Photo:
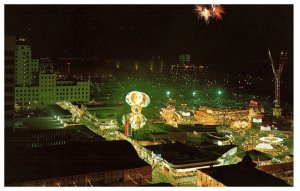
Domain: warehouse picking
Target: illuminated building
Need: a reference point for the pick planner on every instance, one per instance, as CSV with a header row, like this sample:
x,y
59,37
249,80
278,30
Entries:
x,y
184,59
284,171
10,44
182,161
36,84
26,68
170,115
213,116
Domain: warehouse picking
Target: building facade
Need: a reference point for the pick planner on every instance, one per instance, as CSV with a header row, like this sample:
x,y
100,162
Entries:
x,y
10,44
36,83
26,67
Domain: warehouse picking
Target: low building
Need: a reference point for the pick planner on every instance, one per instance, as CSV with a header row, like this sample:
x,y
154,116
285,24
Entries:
x,y
168,136
170,116
105,111
213,116
258,157
45,153
180,159
241,174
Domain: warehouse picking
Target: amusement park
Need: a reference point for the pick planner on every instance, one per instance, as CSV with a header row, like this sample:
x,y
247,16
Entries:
x,y
224,135
149,95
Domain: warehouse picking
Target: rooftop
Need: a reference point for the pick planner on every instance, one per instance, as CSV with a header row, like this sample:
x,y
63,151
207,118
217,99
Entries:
x,y
57,110
179,154
80,157
41,123
104,105
256,155
240,175
197,128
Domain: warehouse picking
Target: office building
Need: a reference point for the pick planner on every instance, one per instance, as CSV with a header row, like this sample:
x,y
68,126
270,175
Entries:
x,y
36,84
10,44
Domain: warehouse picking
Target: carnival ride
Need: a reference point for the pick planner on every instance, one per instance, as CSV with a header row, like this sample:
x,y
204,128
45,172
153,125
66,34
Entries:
x,y
137,100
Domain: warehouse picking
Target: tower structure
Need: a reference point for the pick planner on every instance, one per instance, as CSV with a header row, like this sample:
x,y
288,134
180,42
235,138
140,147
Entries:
x,y
277,75
69,68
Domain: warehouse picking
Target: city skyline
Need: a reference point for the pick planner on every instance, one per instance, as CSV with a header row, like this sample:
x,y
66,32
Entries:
x,y
149,95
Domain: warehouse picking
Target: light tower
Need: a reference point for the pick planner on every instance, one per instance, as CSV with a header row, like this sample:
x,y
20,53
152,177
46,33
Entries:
x,y
277,75
69,68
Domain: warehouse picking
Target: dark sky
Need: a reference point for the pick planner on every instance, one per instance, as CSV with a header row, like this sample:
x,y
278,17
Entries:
x,y
136,31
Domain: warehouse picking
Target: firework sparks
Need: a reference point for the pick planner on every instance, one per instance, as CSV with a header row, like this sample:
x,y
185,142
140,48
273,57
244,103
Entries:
x,y
215,11
205,14
198,9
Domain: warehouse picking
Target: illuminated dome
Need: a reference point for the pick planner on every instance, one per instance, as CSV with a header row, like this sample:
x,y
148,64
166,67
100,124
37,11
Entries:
x,y
271,139
264,146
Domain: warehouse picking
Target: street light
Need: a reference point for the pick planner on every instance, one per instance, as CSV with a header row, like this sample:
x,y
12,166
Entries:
x,y
194,93
219,92
168,93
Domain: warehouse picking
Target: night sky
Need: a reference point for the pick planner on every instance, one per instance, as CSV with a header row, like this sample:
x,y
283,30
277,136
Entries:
x,y
141,31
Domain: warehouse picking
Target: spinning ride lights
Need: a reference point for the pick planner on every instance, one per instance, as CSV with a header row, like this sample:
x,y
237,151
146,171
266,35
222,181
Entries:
x,y
137,100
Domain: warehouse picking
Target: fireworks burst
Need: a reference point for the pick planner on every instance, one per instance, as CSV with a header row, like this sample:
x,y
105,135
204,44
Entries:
x,y
215,11
205,14
198,9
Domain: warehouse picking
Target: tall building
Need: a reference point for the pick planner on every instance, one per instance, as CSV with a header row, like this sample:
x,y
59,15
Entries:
x,y
185,59
36,83
10,44
26,67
